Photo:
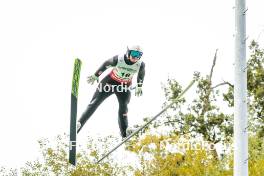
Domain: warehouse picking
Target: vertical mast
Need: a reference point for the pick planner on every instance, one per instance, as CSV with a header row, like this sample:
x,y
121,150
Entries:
x,y
240,93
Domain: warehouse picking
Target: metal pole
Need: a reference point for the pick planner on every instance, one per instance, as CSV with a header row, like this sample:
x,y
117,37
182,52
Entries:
x,y
240,92
146,124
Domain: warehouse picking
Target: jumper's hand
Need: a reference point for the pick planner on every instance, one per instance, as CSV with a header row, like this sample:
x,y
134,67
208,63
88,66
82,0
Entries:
x,y
138,91
91,79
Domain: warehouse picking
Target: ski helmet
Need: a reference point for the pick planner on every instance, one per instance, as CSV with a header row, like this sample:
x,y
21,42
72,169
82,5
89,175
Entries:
x,y
134,51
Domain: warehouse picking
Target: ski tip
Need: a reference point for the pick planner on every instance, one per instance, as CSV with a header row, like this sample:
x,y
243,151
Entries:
x,y
77,60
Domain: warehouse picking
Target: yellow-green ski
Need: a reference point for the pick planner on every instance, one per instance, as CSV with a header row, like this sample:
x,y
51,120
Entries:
x,y
74,98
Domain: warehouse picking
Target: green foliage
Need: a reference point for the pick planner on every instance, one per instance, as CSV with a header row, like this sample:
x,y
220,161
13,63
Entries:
x,y
8,172
255,86
55,160
256,153
156,159
203,116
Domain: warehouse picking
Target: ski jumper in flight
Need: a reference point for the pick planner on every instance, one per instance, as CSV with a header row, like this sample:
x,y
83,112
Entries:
x,y
117,82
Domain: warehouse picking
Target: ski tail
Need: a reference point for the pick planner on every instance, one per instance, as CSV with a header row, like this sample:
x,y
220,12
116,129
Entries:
x,y
74,98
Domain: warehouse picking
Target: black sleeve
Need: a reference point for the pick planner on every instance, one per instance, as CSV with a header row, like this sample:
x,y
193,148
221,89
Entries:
x,y
108,63
141,74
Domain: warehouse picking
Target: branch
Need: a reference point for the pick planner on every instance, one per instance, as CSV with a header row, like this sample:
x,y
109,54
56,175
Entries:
x,y
187,132
212,68
173,121
178,121
223,83
207,96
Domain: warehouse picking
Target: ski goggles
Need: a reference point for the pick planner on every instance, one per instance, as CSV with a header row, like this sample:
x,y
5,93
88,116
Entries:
x,y
136,54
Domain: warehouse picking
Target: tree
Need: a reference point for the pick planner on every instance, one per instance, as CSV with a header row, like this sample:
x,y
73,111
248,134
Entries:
x,y
8,172
55,160
203,117
255,86
161,155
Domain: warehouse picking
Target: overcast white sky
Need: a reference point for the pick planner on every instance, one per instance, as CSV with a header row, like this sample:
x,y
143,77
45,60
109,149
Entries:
x,y
40,39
